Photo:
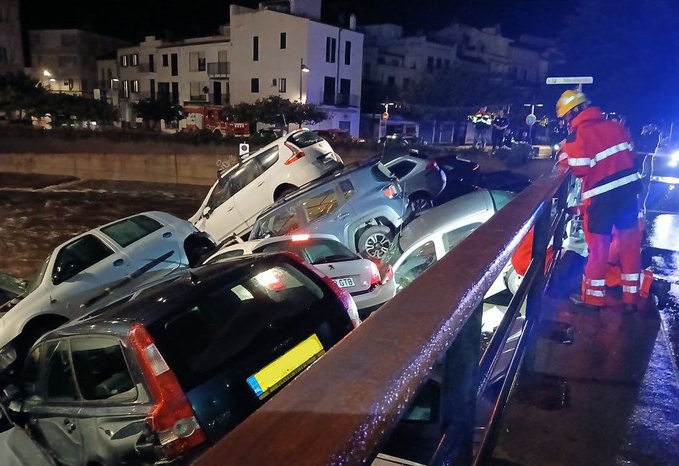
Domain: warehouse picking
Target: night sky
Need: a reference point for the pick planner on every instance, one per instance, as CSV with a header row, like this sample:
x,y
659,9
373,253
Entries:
x,y
174,19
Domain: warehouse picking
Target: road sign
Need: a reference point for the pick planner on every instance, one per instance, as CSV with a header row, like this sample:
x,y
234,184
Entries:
x,y
571,80
385,115
243,149
531,119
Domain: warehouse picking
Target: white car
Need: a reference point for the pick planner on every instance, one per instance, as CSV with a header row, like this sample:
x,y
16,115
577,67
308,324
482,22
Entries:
x,y
91,264
359,276
240,194
436,231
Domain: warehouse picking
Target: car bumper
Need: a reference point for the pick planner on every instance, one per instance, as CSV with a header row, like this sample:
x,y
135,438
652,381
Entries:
x,y
369,302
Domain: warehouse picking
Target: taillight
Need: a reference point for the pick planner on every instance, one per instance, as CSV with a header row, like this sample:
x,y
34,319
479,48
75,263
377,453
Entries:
x,y
342,294
172,419
296,154
432,165
388,274
300,237
375,278
390,191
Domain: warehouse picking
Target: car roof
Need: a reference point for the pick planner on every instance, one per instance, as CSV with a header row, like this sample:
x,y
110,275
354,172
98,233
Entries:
x,y
163,217
161,297
252,244
432,220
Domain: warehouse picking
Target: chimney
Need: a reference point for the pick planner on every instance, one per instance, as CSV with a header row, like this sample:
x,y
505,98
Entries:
x,y
352,22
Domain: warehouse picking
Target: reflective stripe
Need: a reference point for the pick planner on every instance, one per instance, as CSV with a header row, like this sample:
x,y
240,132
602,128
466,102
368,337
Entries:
x,y
604,154
630,276
563,156
630,289
597,293
604,188
579,162
595,282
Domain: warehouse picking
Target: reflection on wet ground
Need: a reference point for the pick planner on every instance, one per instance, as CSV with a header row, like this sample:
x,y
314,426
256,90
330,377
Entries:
x,y
40,212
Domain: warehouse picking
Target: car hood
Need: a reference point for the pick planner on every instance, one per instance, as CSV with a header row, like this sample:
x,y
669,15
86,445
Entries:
x,y
19,450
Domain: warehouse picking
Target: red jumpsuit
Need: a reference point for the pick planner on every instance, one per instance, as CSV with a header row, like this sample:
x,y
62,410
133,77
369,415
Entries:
x,y
600,152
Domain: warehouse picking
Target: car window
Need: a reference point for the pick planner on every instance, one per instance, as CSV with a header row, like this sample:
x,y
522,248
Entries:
x,y
101,370
255,309
380,172
280,222
77,256
222,191
268,158
303,139
313,250
33,284
31,372
452,238
415,264
320,204
347,188
226,255
126,232
501,198
58,383
401,169
245,174
5,423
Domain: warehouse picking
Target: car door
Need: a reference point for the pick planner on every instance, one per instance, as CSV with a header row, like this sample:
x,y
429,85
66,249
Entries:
x,y
82,269
148,243
327,210
220,217
252,190
51,401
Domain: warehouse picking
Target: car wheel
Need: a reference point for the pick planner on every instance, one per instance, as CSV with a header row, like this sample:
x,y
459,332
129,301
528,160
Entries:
x,y
284,192
420,203
375,241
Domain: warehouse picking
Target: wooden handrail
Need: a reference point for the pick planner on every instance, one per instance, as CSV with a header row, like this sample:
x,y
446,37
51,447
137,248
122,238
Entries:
x,y
343,408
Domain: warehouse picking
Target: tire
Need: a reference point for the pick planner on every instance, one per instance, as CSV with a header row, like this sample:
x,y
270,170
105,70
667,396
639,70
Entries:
x,y
284,192
420,203
375,241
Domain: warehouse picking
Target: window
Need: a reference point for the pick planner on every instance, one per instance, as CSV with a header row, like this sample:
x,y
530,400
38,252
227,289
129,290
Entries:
x,y
401,169
152,63
330,46
347,188
430,64
254,85
235,180
164,91
134,59
255,48
135,86
313,250
268,158
415,264
446,63
196,90
174,66
320,204
58,383
124,61
3,55
347,53
454,237
284,40
282,85
274,82
501,198
282,221
391,81
438,63
152,88
329,90
304,139
165,62
126,232
197,61
78,256
126,89
101,370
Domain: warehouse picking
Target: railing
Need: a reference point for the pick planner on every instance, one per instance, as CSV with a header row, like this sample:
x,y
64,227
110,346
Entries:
x,y
342,410
146,68
339,99
198,98
220,68
224,99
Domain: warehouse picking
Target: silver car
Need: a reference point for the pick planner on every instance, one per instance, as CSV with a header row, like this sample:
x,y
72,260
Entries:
x,y
360,205
79,270
360,277
17,448
420,177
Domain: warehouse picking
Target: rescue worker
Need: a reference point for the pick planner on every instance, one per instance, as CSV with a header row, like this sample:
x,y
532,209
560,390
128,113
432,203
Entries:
x,y
482,122
600,152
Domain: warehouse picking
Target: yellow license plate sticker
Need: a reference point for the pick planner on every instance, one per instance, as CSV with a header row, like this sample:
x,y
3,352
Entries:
x,y
285,367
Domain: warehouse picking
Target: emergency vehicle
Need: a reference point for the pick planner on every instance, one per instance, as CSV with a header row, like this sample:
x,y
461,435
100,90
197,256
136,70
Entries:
x,y
206,117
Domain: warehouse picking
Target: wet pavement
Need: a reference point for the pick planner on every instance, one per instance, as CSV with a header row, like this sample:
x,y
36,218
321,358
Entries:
x,y
39,212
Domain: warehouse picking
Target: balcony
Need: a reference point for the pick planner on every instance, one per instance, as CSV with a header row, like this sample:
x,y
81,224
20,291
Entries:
x,y
224,99
220,68
146,68
199,98
340,99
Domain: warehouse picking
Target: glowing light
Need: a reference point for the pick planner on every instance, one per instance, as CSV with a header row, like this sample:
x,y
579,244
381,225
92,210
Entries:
x,y
302,237
46,73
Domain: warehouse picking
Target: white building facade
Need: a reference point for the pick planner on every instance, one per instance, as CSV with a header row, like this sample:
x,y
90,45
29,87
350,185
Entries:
x,y
11,50
280,49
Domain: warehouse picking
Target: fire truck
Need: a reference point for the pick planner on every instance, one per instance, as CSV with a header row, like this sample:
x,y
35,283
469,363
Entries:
x,y
206,117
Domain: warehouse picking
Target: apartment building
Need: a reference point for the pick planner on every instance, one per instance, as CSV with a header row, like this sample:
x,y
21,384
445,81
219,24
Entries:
x,y
65,60
281,48
11,50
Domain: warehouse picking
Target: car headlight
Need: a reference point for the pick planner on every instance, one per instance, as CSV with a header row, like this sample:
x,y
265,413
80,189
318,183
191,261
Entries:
x,y
8,355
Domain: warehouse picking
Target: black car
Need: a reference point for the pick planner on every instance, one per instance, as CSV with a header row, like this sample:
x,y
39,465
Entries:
x,y
170,369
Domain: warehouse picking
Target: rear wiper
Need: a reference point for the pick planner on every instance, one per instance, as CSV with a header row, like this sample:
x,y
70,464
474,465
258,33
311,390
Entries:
x,y
336,258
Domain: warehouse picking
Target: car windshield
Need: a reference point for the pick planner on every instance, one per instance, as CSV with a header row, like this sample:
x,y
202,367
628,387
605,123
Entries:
x,y
37,280
313,250
304,139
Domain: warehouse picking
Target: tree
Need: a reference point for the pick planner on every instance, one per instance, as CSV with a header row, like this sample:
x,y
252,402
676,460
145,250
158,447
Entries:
x,y
273,110
65,108
628,47
20,93
152,111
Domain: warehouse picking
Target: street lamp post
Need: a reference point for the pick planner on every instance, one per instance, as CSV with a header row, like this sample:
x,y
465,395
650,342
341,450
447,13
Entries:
x,y
532,112
302,69
386,112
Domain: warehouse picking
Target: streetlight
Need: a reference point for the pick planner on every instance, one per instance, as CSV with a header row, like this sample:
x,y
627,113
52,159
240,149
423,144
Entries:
x,y
385,117
302,69
532,118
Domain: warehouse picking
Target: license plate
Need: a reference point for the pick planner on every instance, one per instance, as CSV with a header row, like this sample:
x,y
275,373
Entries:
x,y
344,282
285,367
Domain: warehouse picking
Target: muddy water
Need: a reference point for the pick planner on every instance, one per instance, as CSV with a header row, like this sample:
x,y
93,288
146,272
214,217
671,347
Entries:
x,y
40,212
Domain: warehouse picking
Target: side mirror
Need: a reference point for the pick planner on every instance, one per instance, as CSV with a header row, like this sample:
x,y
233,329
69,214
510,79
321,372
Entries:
x,y
206,212
63,272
